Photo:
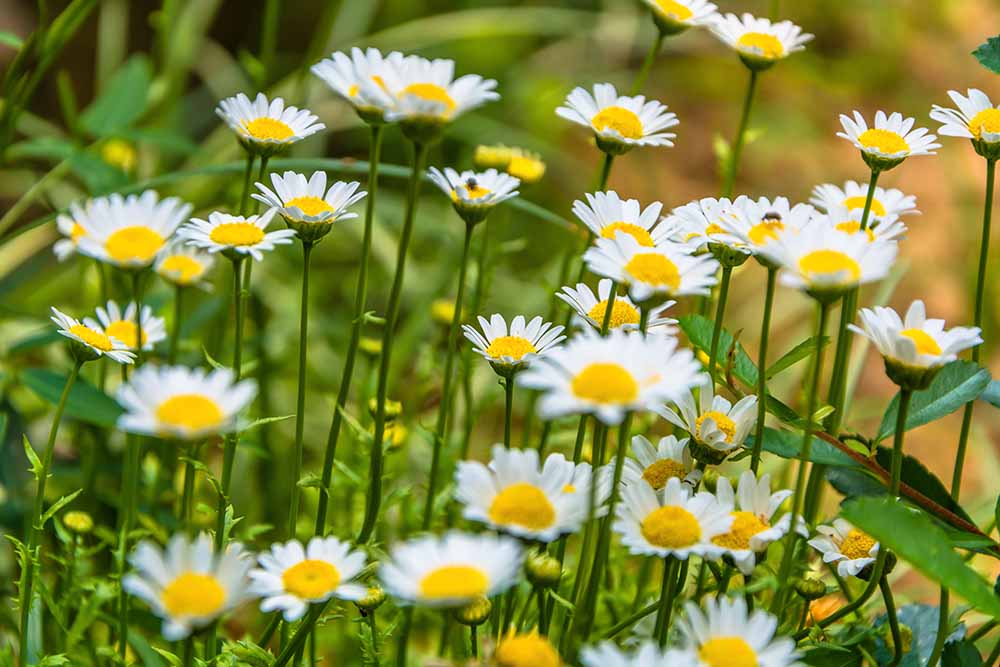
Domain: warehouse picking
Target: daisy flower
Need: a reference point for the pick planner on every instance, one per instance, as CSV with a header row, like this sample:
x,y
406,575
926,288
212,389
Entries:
x,y
475,194
759,42
511,349
606,214
607,654
886,203
703,223
670,522
526,650
359,79
129,232
712,421
235,236
90,342
291,577
675,16
180,402
583,475
657,464
889,228
187,584
624,313
306,205
889,141
71,230
427,95
845,545
121,325
976,118
522,164
726,634
609,376
183,265
266,127
619,122
758,222
451,570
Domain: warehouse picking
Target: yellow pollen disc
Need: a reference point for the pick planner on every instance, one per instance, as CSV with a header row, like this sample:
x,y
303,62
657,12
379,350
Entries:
x,y
621,313
659,472
523,505
675,10
432,93
924,341
268,129
727,652
193,594
765,230
714,229
635,231
309,205
133,244
761,44
858,204
654,269
311,579
191,411
526,651
853,227
124,330
92,338
619,119
671,527
884,141
856,545
569,488
237,234
77,232
722,422
987,120
605,383
826,263
454,581
745,526
474,192
514,347
183,268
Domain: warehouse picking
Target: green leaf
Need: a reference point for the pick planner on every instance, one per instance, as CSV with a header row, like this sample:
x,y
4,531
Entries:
x,y
924,545
8,38
85,403
832,657
801,351
264,420
788,445
123,101
36,463
955,385
961,654
989,54
992,394
58,505
699,331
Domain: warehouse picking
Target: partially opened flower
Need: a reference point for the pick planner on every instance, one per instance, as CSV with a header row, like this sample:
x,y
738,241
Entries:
x,y
236,236
976,118
889,228
851,549
306,205
129,232
619,122
90,342
886,203
71,230
656,465
510,349
674,16
726,634
705,224
606,214
759,42
758,222
266,127
359,79
624,313
717,426
474,194
889,141
184,265
522,164
188,585
120,324
526,650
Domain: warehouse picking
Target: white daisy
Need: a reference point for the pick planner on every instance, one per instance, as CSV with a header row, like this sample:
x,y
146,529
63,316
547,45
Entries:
x,y
426,91
121,325
885,202
129,232
474,194
181,402
267,127
235,236
359,79
91,342
725,634
583,475
619,122
71,230
759,42
609,376
188,585
607,654
451,570
655,465
184,265
845,545
624,313
889,228
705,222
306,205
291,577
606,214
758,222
515,347
976,117
674,16
712,420
889,141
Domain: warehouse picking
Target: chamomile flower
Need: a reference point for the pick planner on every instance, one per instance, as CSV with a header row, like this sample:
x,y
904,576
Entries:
x,y
359,79
184,265
655,465
522,164
759,42
717,426
886,202
889,228
526,650
188,585
583,475
306,205
726,634
291,577
129,232
451,570
71,230
475,194
90,342
758,222
121,325
675,16
889,141
266,127
624,313
670,522
841,543
704,224
236,236
609,376
619,122
511,349
181,402
606,214
976,118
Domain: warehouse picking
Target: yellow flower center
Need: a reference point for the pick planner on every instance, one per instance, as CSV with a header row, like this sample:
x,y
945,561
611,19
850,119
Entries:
x,y
309,205
472,191
124,330
528,169
856,545
311,579
826,263
714,229
924,341
671,527
987,120
761,44
77,232
727,652
526,651
237,234
659,472
621,313
133,244
454,581
514,347
674,10
193,594
765,230
268,129
858,204
191,411
745,526
853,227
182,269
619,119
722,423
884,141
432,93
635,231
524,505
605,383
654,269
92,338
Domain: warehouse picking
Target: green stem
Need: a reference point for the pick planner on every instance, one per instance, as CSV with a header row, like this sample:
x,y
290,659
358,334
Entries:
x,y
129,484
994,654
473,642
298,640
261,174
543,618
187,497
869,198
508,390
404,636
247,175
300,409
647,65
667,593
631,620
765,331
175,339
189,651
734,158
609,309
229,451
897,442
720,314
374,630
890,613
609,160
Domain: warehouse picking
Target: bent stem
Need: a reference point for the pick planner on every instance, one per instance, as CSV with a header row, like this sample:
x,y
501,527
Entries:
x,y
890,614
765,330
734,157
720,313
647,65
300,409
229,451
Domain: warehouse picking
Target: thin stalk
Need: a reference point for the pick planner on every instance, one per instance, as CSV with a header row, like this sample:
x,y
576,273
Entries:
x,y
765,331
187,497
734,158
229,451
508,390
869,198
189,651
890,614
897,442
370,617
129,484
631,620
720,313
667,593
269,631
473,642
247,174
175,339
298,640
261,174
994,654
543,619
300,409
647,65
404,637
609,160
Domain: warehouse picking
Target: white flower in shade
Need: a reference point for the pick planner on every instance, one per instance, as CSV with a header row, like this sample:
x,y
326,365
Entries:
x,y
235,236
674,16
129,232
752,507
514,347
758,222
609,376
90,342
606,214
474,194
619,122
181,402
976,117
607,654
266,126
889,141
886,203
359,79
517,495
845,545
451,570
656,465
184,265
121,325
188,585
291,577
661,272
427,90
759,42
71,230
703,223
726,634
583,475
308,200
889,228
671,522
712,420
624,313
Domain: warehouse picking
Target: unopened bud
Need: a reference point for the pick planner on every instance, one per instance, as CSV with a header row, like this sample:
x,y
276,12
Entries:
x,y
392,408
809,589
543,570
474,613
372,600
78,522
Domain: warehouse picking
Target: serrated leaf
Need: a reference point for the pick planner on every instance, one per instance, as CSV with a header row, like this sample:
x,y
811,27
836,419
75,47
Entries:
x,y
955,385
123,101
36,463
788,445
801,351
264,420
988,54
86,402
58,505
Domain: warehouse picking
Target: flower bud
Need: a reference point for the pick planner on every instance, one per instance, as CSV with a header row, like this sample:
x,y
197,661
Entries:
x,y
372,600
543,570
392,408
809,589
475,613
371,347
80,523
